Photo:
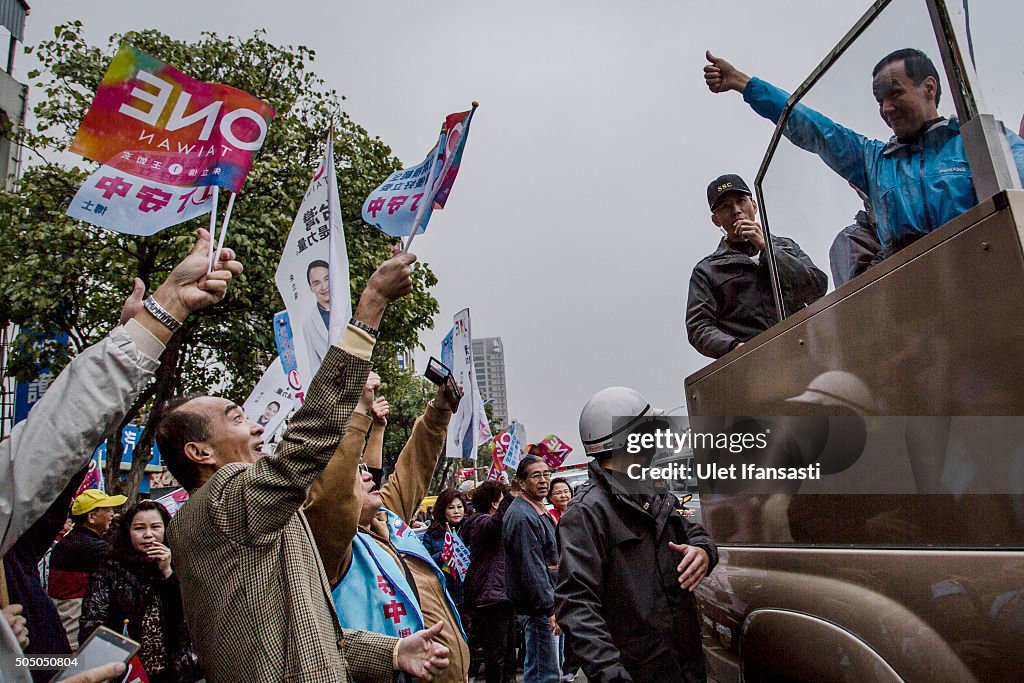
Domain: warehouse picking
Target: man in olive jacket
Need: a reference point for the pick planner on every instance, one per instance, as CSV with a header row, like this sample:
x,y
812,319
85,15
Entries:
x,y
255,595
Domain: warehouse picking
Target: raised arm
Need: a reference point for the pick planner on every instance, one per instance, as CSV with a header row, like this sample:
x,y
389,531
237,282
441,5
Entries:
x,y
403,491
92,394
256,502
334,501
842,149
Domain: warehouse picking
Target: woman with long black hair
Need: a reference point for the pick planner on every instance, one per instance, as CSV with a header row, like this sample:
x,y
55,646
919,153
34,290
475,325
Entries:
x,y
136,584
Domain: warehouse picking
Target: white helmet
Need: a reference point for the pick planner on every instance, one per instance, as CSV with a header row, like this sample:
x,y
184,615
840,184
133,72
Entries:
x,y
597,421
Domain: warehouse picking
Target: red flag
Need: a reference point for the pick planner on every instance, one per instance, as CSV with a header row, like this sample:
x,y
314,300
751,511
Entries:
x,y
135,673
552,449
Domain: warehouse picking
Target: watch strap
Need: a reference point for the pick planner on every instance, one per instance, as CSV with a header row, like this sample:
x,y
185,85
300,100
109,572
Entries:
x,y
161,314
372,331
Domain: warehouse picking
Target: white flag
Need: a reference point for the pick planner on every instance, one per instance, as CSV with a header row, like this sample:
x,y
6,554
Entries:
x,y
271,400
312,275
468,429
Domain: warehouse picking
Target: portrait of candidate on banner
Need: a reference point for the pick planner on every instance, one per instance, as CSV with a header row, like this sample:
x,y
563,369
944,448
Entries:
x,y
271,400
312,275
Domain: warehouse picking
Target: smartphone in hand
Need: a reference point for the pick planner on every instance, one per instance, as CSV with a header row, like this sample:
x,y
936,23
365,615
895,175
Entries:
x,y
102,647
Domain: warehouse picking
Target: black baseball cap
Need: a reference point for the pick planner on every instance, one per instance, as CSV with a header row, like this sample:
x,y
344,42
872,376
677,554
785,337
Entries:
x,y
730,182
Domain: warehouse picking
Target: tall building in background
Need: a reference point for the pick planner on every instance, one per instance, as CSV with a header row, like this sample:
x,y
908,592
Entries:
x,y
489,359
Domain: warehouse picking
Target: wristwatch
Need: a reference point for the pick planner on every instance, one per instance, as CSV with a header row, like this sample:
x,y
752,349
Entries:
x,y
161,314
373,332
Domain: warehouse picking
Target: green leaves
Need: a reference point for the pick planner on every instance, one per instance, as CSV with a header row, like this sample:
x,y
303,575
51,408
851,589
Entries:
x,y
60,274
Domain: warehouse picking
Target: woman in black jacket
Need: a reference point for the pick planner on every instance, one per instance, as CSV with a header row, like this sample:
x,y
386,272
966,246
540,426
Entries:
x,y
493,619
136,583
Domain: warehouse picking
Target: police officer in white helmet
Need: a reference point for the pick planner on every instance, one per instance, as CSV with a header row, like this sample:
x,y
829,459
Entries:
x,y
629,562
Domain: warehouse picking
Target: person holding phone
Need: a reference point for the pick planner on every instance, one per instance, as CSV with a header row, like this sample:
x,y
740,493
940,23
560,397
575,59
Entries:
x,y
135,583
383,578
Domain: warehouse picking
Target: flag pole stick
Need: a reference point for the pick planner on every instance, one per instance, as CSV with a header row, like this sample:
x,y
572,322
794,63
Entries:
x,y
428,197
224,228
213,225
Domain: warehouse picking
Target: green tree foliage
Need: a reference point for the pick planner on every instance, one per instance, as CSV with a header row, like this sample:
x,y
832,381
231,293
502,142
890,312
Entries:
x,y
58,274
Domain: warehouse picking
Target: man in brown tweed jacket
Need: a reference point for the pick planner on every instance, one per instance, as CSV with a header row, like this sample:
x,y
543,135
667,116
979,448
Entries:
x,y
256,597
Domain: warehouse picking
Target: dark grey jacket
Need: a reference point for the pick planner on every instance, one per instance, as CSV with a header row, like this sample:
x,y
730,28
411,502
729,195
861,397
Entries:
x,y
531,559
618,599
485,580
730,298
855,249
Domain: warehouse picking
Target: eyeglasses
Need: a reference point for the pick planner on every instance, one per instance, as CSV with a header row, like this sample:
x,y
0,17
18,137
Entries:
x,y
537,476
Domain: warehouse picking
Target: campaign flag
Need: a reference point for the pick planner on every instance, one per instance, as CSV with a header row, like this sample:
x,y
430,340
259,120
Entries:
x,y
514,453
135,673
114,199
465,432
163,139
93,477
173,500
448,349
312,275
271,399
495,474
409,196
455,554
286,353
552,449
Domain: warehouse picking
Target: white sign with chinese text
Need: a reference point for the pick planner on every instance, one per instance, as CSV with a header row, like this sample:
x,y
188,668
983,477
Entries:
x,y
312,275
120,201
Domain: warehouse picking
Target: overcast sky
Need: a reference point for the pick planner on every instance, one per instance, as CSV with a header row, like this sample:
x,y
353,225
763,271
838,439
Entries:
x,y
580,208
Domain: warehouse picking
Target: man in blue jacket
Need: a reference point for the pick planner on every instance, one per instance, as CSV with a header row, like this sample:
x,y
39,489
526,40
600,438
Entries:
x,y
918,180
531,565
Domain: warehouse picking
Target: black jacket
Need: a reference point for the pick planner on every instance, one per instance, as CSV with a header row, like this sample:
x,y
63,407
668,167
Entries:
x,y
123,589
618,598
531,553
21,567
485,580
731,300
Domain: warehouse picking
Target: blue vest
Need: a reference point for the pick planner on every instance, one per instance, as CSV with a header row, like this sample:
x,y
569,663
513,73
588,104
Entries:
x,y
374,594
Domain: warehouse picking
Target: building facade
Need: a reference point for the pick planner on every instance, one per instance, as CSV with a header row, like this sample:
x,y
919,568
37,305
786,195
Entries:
x,y
489,364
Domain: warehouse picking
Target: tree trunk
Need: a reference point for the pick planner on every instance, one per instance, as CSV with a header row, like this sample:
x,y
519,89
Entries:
x,y
164,387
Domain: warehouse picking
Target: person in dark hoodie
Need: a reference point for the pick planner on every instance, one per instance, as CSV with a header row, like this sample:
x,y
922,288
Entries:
x,y
629,563
21,568
493,619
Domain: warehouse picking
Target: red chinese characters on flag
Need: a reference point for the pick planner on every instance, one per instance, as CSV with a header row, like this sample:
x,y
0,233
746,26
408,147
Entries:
x,y
124,203
159,135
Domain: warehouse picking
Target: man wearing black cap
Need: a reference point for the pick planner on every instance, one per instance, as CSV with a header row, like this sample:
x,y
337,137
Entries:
x,y
730,298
